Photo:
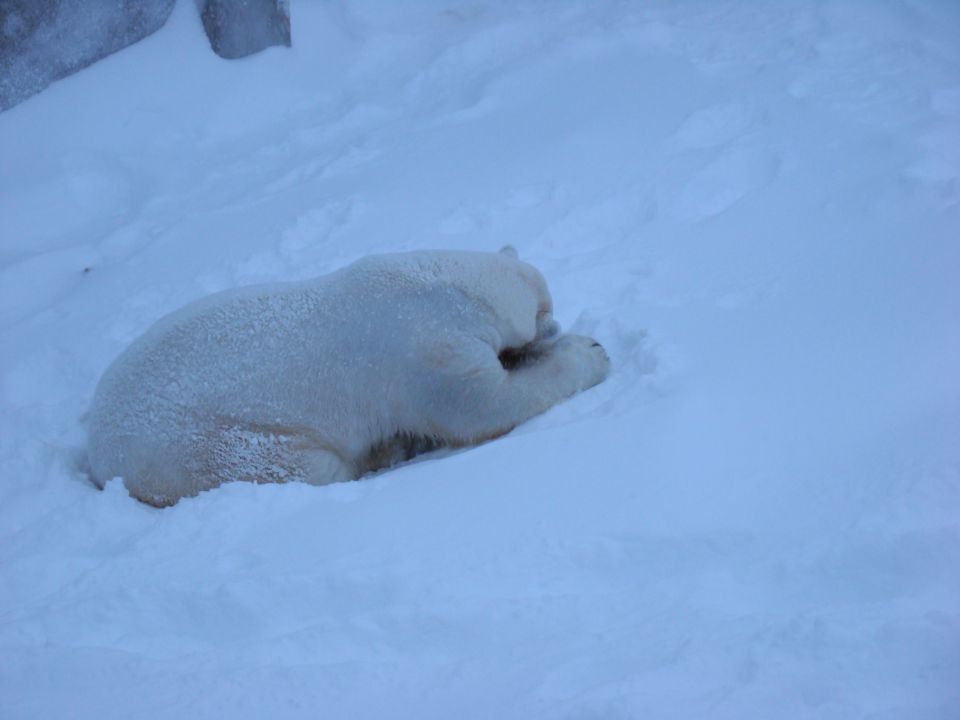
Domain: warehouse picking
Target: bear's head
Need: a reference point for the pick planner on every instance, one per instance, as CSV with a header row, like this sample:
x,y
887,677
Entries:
x,y
515,293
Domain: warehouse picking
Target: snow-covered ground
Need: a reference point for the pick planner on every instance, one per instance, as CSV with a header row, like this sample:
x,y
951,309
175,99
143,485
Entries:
x,y
754,206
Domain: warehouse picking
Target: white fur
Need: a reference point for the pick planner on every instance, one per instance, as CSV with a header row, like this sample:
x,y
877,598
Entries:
x,y
324,380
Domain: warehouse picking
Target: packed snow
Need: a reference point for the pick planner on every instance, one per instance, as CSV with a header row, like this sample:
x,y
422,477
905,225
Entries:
x,y
754,206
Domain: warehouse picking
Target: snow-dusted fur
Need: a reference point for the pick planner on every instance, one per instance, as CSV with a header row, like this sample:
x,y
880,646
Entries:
x,y
325,380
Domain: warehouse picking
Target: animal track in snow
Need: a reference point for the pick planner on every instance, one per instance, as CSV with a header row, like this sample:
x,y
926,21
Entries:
x,y
714,126
724,182
313,227
462,221
938,164
946,101
530,196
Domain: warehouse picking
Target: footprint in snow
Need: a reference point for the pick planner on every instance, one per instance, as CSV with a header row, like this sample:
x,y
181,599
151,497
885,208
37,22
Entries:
x,y
724,182
461,222
529,196
937,165
714,126
312,228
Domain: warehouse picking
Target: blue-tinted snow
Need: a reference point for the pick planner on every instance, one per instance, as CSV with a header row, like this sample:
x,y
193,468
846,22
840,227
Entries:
x,y
754,206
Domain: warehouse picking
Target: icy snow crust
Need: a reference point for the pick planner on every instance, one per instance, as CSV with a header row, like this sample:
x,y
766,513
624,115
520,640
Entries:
x,y
754,206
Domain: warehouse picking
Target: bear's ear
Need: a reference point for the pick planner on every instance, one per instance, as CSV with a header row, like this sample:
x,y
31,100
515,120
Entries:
x,y
510,251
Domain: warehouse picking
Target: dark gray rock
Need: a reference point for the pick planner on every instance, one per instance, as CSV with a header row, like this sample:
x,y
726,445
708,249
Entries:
x,y
237,28
44,40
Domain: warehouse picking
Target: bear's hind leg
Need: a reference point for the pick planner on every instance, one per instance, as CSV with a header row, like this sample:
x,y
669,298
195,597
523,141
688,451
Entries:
x,y
232,451
267,453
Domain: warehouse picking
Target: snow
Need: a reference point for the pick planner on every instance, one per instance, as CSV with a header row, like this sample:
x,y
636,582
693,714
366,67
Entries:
x,y
754,206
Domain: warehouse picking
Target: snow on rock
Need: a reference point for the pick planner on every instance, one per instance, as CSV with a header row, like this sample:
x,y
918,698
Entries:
x,y
754,206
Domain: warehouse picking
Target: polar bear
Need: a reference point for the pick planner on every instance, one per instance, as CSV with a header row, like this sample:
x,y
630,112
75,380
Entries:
x,y
328,379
